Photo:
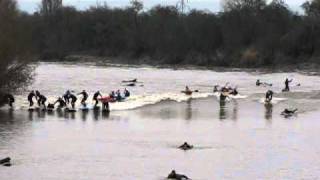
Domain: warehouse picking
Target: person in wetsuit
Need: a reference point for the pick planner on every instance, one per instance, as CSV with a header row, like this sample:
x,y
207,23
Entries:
x,y
118,95
66,97
174,175
234,91
30,98
9,99
61,102
95,98
84,97
112,95
286,83
126,93
73,100
269,96
215,88
185,146
41,99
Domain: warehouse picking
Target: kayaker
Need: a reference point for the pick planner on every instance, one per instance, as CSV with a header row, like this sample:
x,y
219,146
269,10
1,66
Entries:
x,y
174,175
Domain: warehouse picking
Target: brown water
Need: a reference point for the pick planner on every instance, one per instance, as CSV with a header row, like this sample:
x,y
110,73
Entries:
x,y
241,139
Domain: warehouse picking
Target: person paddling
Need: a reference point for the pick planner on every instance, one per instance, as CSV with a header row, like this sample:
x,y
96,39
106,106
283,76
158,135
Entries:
x,y
174,175
286,83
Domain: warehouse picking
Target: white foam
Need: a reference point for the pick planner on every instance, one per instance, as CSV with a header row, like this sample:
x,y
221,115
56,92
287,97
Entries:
x,y
273,101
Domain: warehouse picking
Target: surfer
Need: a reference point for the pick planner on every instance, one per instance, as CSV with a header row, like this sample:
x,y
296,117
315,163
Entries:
x,y
84,97
215,88
73,99
174,175
61,102
126,93
41,99
185,146
30,97
9,99
118,95
66,96
234,91
286,83
95,98
269,96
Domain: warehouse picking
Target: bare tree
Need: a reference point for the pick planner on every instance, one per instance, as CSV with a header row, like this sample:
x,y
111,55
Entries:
x,y
50,6
14,39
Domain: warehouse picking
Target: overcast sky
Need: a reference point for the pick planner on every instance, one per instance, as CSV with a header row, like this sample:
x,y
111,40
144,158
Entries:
x,y
212,5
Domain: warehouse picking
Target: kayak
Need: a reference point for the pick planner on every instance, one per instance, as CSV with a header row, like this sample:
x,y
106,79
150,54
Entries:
x,y
187,92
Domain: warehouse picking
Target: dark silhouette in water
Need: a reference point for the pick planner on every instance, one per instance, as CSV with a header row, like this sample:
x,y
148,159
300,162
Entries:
x,y
95,98
269,96
61,103
185,146
288,113
174,175
84,98
6,161
286,83
30,98
9,99
73,100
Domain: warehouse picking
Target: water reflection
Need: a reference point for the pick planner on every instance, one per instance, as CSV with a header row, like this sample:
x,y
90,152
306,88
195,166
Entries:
x,y
188,110
235,111
268,111
222,110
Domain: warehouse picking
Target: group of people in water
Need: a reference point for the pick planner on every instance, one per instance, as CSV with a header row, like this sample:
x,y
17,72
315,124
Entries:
x,y
70,98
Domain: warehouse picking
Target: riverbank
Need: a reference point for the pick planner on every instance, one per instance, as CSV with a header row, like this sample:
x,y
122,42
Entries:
x,y
306,68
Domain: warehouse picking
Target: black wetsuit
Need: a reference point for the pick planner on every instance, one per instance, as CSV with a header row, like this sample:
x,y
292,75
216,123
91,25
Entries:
x,y
105,106
84,98
10,99
41,100
61,102
66,97
95,98
73,100
126,93
30,96
269,95
174,175
287,88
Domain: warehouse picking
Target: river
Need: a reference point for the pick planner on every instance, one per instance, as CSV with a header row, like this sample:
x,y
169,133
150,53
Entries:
x,y
240,139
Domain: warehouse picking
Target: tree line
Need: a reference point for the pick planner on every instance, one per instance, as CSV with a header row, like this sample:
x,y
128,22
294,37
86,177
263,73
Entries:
x,y
246,33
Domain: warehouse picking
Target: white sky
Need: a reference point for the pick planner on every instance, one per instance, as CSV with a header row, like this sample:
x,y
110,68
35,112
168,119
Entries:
x,y
212,5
